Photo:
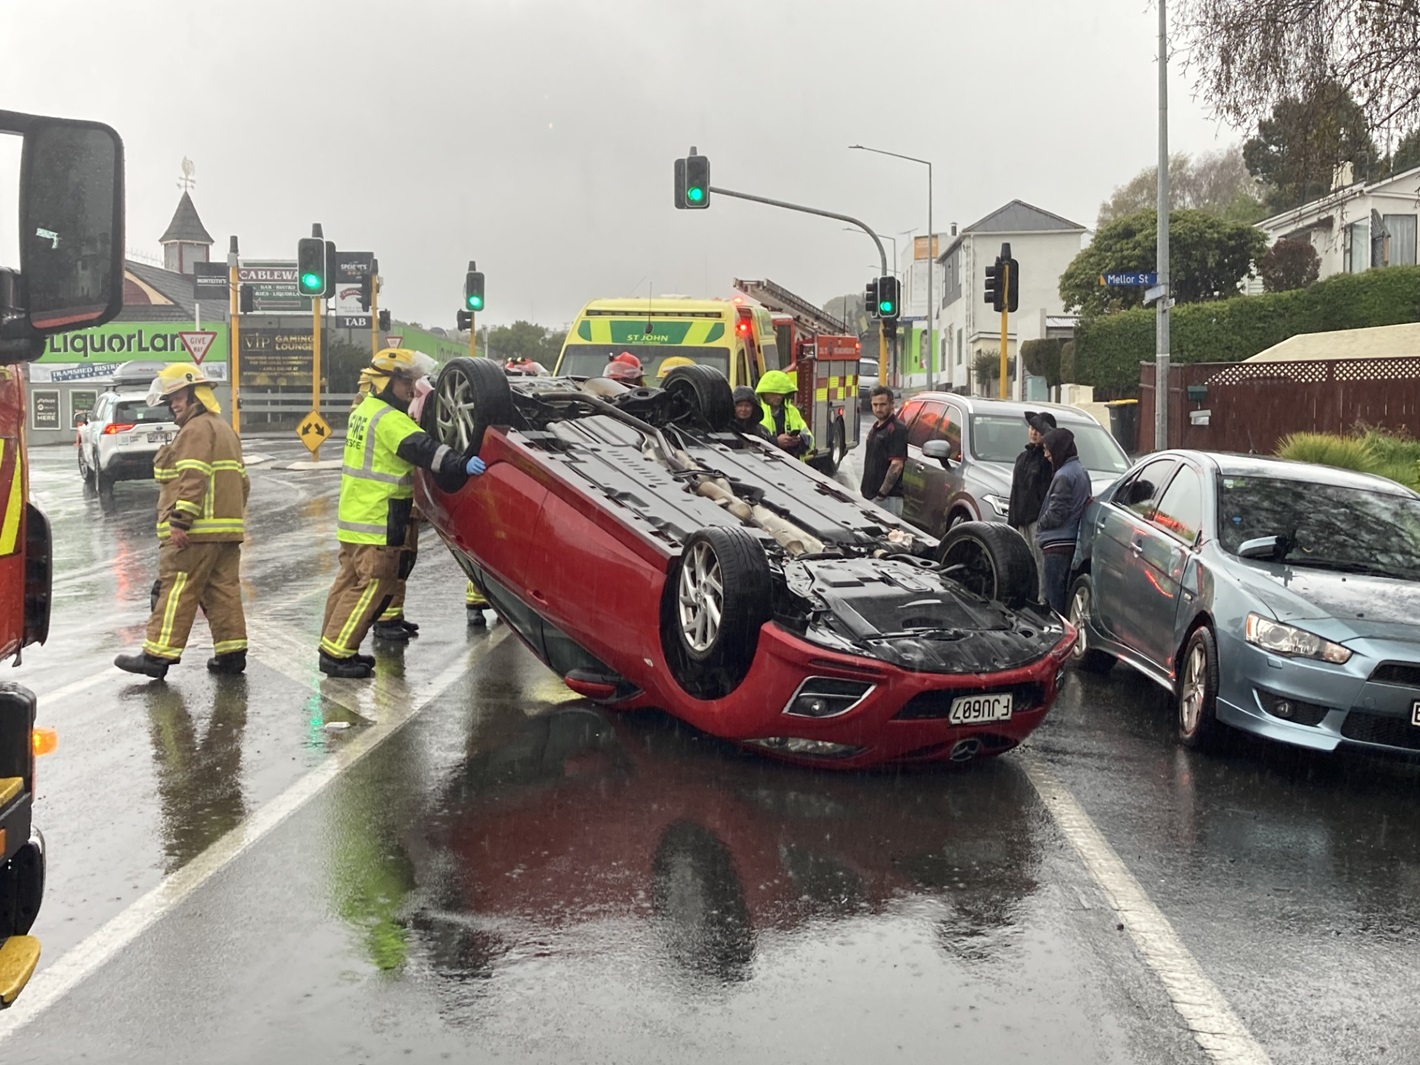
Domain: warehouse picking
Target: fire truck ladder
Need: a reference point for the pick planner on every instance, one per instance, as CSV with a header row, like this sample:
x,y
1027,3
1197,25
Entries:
x,y
807,318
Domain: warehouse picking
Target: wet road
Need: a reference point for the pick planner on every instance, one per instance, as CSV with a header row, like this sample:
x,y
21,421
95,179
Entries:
x,y
463,861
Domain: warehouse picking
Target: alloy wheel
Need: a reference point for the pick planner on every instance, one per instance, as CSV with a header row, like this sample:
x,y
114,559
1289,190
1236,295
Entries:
x,y
1191,694
701,595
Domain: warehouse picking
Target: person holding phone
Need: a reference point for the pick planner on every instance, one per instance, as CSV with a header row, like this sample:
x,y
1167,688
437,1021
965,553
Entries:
x,y
782,419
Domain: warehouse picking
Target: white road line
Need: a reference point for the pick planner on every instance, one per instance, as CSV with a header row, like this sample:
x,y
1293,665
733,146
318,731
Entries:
x,y
1217,1029
398,704
105,673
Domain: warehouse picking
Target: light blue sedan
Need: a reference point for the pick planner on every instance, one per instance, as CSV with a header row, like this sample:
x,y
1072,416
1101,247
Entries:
x,y
1277,597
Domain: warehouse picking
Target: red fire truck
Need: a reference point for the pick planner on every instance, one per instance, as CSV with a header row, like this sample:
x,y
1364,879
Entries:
x,y
70,276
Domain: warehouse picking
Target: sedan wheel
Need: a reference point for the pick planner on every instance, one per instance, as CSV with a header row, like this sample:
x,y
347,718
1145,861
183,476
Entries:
x,y
1198,691
1083,657
702,598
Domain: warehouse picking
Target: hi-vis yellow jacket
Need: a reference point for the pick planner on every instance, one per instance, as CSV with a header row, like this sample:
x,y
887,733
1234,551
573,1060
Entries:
x,y
202,482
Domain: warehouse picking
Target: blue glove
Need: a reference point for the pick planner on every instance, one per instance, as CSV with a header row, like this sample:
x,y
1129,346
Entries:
x,y
475,466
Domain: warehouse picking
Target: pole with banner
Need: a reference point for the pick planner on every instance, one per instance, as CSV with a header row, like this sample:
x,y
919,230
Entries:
x,y
234,335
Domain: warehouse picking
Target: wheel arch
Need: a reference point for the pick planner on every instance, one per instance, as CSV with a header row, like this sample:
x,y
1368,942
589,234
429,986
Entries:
x,y
1200,619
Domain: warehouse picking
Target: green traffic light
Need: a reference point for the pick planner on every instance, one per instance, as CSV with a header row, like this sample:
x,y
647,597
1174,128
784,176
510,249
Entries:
x,y
694,194
475,303
312,282
885,306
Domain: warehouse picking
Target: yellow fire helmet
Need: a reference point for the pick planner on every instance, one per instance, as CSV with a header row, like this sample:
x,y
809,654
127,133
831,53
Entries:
x,y
671,363
402,362
176,376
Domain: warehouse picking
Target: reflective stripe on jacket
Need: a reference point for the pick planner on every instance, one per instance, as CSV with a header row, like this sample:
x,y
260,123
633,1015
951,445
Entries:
x,y
202,482
376,484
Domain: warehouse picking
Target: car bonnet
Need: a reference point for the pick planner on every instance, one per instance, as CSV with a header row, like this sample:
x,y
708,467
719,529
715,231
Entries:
x,y
1336,605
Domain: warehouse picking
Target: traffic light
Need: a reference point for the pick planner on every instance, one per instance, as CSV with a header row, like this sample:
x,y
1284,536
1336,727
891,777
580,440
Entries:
x,y
473,290
994,294
889,328
465,320
384,321
311,267
367,291
1013,284
889,299
692,182
870,297
246,299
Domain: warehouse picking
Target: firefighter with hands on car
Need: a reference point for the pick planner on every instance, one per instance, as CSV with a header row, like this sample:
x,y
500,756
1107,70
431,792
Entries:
x,y
383,444
782,420
202,497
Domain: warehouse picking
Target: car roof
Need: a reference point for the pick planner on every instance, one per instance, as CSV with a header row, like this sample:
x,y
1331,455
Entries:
x,y
1234,464
1009,407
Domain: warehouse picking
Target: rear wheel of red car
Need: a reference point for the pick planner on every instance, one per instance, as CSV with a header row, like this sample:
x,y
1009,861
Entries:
x,y
718,599
992,560
469,396
706,392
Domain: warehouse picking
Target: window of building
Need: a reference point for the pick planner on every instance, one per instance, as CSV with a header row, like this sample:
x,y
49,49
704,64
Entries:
x,y
1358,247
952,278
1401,231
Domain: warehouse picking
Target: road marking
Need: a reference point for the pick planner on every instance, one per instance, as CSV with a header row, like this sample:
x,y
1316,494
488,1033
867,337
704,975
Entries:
x,y
398,705
1216,1028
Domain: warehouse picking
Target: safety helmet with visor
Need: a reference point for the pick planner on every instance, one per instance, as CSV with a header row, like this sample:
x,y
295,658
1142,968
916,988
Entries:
x,y
174,378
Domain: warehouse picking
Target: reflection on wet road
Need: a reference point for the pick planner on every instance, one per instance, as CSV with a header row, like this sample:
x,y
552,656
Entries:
x,y
463,861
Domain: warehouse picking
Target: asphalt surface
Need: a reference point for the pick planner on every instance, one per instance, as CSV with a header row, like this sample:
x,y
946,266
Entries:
x,y
460,860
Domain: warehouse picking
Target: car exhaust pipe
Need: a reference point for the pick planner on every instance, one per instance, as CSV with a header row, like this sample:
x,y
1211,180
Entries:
x,y
790,536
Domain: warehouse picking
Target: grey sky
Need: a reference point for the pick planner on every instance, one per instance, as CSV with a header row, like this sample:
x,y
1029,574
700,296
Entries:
x,y
537,136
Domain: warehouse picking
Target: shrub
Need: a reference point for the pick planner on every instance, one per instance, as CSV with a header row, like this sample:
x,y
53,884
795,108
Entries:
x,y
1395,456
1288,265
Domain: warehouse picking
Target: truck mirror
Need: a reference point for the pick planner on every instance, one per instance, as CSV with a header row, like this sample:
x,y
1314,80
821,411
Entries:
x,y
71,225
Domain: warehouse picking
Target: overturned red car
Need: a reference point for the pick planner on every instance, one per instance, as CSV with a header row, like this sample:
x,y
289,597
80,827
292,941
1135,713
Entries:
x,y
652,557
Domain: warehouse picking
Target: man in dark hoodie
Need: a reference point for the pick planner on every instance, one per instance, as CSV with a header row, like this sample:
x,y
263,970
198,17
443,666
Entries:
x,y
749,414
1058,526
1029,481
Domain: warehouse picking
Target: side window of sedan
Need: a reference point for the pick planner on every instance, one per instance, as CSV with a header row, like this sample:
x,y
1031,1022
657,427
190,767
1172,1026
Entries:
x,y
926,426
950,430
1140,492
1180,509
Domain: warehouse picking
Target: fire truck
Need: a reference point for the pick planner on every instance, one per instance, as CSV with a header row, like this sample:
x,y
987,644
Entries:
x,y
70,276
818,349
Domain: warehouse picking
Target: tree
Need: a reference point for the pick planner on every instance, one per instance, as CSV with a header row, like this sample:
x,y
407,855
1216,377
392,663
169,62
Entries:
x,y
1208,256
1289,264
1406,155
1298,148
521,340
986,368
1216,182
1247,56
1042,359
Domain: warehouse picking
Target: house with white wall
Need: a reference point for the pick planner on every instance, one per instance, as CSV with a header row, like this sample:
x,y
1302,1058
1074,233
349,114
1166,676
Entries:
x,y
1356,226
1043,244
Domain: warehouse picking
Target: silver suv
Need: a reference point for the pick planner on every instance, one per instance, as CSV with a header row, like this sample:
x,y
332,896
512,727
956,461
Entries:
x,y
971,480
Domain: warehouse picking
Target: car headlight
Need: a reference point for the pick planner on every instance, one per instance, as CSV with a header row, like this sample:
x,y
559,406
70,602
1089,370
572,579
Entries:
x,y
1000,504
1293,642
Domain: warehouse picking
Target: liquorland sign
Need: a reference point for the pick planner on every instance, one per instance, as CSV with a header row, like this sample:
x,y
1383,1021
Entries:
x,y
92,352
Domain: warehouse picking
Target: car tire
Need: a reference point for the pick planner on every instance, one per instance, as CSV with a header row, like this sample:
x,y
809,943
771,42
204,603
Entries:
x,y
470,395
837,448
994,562
103,482
1196,693
717,599
1083,657
705,391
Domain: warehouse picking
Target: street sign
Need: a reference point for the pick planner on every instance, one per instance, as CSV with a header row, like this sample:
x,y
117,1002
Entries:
x,y
394,342
273,284
197,342
352,321
1135,278
1154,293
313,430
211,281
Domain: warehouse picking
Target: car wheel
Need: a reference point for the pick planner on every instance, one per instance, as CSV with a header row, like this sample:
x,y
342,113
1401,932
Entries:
x,y
718,597
991,560
1197,692
706,392
1084,657
103,482
469,396
838,449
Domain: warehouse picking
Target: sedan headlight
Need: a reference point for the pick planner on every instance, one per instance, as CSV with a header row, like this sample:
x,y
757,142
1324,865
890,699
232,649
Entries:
x,y
1293,642
1000,504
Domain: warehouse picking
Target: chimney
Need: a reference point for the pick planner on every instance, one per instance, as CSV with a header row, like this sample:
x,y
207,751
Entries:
x,y
954,229
1343,175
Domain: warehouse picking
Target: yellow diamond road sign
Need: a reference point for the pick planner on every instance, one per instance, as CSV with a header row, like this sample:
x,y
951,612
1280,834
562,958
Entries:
x,y
313,431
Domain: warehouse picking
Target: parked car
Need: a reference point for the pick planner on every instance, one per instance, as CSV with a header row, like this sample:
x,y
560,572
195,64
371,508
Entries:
x,y
867,381
118,439
652,557
1279,598
961,450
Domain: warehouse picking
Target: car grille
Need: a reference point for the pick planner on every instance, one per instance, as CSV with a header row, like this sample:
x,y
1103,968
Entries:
x,y
1375,728
1398,673
927,706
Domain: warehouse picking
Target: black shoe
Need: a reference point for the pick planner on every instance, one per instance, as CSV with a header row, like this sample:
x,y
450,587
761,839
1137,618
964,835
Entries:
x,y
232,662
346,668
409,626
392,631
369,660
146,664
476,620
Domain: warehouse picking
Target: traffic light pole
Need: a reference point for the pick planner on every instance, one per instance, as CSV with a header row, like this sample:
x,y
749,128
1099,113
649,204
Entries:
x,y
374,316
472,335
234,335
318,304
1005,282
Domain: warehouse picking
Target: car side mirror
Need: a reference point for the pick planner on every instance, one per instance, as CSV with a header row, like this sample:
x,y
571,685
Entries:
x,y
940,450
1266,547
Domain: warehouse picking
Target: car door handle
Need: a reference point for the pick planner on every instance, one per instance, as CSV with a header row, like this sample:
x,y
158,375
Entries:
x,y
1137,546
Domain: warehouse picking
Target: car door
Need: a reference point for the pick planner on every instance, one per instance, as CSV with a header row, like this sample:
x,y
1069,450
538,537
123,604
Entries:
x,y
923,479
1159,556
1117,524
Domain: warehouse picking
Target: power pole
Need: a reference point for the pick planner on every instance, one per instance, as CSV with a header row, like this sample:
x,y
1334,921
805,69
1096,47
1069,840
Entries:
x,y
1161,315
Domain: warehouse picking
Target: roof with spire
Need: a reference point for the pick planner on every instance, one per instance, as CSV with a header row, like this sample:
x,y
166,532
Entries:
x,y
186,226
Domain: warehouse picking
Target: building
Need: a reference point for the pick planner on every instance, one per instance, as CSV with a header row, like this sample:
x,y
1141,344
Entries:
x,y
1044,245
186,240
1356,226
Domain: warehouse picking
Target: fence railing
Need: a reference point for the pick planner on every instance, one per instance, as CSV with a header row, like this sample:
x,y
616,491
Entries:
x,y
251,401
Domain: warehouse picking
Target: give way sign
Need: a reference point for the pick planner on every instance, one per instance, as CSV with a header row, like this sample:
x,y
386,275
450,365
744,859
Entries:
x,y
197,343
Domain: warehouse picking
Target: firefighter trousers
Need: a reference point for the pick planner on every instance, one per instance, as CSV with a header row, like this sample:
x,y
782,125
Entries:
x,y
395,610
474,598
201,574
369,574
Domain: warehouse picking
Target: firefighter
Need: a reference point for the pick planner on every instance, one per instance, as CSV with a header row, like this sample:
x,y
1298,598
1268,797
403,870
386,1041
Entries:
x,y
781,418
627,369
202,496
382,447
474,605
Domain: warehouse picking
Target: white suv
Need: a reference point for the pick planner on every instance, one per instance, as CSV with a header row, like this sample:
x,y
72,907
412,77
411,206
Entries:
x,y
119,437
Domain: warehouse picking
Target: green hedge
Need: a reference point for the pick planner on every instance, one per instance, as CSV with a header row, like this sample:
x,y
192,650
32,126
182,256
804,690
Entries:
x,y
1108,349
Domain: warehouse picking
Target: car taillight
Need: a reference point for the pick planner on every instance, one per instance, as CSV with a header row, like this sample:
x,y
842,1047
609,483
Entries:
x,y
111,430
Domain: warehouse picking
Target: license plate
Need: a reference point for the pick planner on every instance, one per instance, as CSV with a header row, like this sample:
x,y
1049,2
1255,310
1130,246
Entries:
x,y
973,709
160,438
1415,713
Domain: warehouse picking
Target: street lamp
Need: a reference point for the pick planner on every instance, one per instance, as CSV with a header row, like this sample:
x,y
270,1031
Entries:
x,y
895,271
931,250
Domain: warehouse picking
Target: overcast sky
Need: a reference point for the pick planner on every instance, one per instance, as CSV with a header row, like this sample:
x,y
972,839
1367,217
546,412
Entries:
x,y
538,136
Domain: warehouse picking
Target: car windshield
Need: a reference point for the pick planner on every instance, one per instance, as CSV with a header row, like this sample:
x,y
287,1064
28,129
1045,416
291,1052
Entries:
x,y
136,412
998,438
1323,526
589,360
867,368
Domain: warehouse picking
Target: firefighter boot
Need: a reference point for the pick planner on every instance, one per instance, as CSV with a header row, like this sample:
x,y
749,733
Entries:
x,y
411,627
393,631
476,620
347,668
146,664
232,662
